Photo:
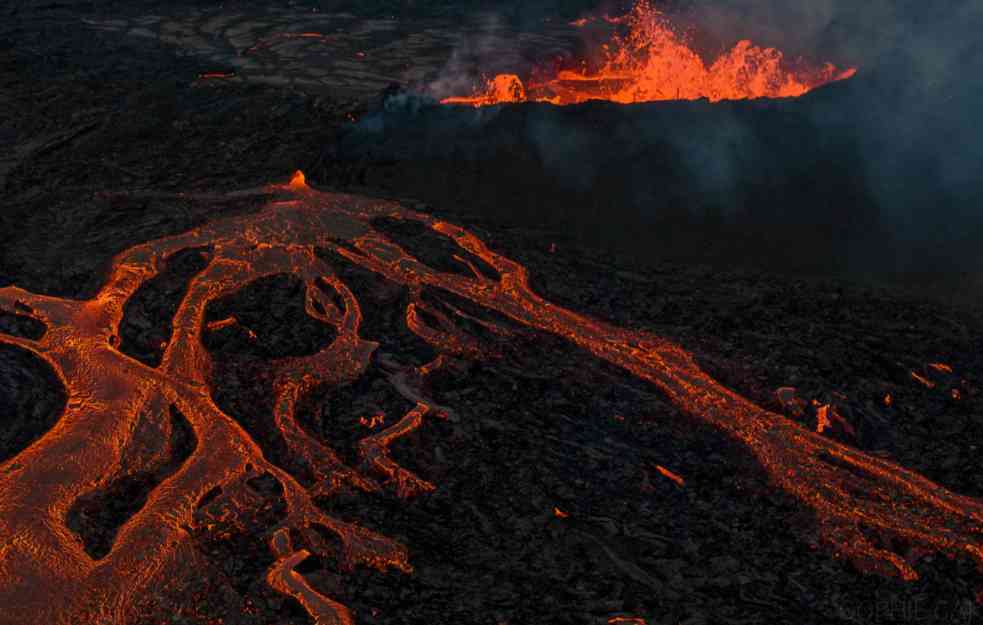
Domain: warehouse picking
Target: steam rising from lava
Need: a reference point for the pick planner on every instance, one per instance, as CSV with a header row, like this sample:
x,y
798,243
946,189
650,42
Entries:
x,y
653,62
46,576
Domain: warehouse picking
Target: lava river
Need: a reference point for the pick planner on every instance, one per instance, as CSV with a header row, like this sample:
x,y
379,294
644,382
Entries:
x,y
47,577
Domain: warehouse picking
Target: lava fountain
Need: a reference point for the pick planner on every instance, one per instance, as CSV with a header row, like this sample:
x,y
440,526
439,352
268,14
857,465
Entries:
x,y
651,62
47,577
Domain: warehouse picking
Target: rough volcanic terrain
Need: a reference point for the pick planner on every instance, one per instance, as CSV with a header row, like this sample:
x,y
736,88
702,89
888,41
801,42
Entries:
x,y
544,479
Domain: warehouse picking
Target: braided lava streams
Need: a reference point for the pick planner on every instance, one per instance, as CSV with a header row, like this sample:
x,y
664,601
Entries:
x,y
47,577
652,62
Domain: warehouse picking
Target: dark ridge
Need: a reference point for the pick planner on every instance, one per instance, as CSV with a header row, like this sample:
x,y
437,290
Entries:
x,y
272,309
336,298
334,547
271,323
383,304
96,516
450,304
208,497
421,450
309,565
431,248
148,316
242,387
467,306
21,326
428,318
346,245
266,485
32,399
334,415
318,307
232,530
500,471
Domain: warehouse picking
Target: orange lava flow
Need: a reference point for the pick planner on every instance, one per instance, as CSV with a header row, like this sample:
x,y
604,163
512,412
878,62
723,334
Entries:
x,y
653,62
679,481
47,577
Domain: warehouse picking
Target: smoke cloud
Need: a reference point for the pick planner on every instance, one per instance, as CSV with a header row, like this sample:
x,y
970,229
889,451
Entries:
x,y
887,165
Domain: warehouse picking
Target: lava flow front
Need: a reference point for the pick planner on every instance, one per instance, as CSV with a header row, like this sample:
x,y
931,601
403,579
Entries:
x,y
46,576
653,62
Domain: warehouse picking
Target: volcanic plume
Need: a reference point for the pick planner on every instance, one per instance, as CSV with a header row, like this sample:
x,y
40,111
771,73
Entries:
x,y
653,61
47,576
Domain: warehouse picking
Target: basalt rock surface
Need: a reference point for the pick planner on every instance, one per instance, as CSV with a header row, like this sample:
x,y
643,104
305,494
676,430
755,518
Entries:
x,y
548,480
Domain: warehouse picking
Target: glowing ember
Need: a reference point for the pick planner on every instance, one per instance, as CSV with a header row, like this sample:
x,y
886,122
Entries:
x,y
653,62
680,482
47,577
822,418
922,380
827,416
560,514
372,422
228,322
941,367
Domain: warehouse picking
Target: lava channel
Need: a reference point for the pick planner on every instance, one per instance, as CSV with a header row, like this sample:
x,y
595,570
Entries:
x,y
47,577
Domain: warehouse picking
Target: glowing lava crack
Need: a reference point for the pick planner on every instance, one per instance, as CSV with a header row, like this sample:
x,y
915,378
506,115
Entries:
x,y
47,577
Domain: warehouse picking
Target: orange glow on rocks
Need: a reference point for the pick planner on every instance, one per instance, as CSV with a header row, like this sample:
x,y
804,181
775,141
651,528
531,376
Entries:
x,y
372,422
47,577
298,181
678,480
917,377
654,62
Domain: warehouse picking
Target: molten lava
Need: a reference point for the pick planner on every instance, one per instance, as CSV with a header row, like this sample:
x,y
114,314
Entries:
x,y
298,181
653,62
678,480
46,576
